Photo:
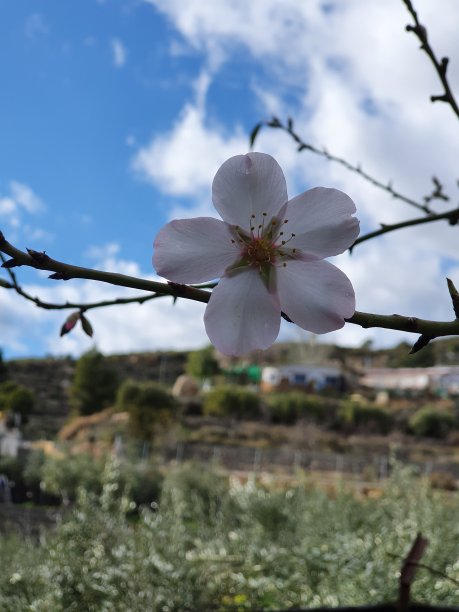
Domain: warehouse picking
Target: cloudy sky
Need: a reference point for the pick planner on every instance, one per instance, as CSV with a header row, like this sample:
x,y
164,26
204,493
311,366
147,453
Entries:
x,y
115,116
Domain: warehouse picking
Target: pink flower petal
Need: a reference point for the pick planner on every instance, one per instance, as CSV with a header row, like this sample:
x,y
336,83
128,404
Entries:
x,y
242,315
321,221
194,250
315,295
248,185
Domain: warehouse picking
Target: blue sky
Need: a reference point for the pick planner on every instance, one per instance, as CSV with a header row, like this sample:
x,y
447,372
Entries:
x,y
72,107
115,115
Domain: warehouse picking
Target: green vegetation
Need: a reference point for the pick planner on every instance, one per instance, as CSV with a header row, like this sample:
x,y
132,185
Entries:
x,y
149,405
94,385
341,415
202,364
207,545
290,406
355,416
429,421
16,399
3,368
232,401
400,357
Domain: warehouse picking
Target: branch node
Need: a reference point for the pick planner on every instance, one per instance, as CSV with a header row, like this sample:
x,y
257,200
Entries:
x,y
178,288
39,257
60,276
442,98
444,65
454,296
420,343
413,323
10,263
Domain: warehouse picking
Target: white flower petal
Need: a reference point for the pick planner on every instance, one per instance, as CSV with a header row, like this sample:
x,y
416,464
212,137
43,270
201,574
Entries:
x,y
194,250
321,221
316,295
248,185
242,315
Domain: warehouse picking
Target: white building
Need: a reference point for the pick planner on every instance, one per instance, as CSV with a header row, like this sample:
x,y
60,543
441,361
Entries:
x,y
441,379
314,377
10,440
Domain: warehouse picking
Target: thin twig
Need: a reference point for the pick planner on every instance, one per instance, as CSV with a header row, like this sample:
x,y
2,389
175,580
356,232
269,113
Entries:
x,y
432,570
441,66
303,146
451,215
81,306
62,271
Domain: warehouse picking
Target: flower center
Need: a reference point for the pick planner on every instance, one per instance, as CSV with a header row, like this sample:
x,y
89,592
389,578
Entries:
x,y
260,251
263,248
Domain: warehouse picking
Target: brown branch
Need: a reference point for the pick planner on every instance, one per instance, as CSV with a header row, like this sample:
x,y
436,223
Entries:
x,y
81,306
408,571
63,271
451,215
441,67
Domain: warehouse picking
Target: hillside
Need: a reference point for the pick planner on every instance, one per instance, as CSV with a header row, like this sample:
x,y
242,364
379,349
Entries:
x,y
50,378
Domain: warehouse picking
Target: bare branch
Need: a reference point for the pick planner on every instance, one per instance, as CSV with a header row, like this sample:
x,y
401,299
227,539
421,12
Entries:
x,y
81,306
441,67
431,329
356,169
451,215
63,271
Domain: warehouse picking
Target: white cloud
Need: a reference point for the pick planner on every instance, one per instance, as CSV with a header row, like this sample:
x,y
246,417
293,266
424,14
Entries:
x,y
35,26
106,258
119,53
100,253
157,324
21,198
19,323
184,160
24,196
119,329
361,87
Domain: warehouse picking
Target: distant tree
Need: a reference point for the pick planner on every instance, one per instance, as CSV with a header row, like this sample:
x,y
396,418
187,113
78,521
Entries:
x,y
94,384
401,358
3,368
16,399
202,364
149,404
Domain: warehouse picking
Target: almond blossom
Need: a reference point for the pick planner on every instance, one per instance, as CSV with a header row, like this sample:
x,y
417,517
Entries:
x,y
268,253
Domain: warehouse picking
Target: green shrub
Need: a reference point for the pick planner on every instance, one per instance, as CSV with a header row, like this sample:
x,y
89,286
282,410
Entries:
x,y
208,545
64,476
16,399
202,364
21,401
290,406
232,401
94,384
431,422
355,416
3,368
149,405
